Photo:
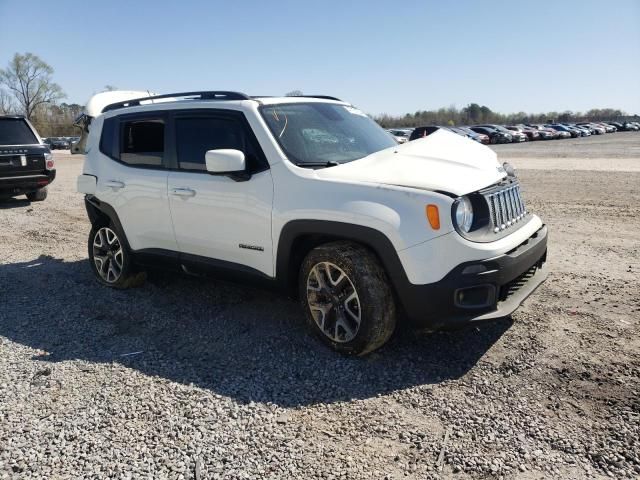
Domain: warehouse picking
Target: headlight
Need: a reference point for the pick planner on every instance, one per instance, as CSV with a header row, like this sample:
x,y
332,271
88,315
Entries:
x,y
464,214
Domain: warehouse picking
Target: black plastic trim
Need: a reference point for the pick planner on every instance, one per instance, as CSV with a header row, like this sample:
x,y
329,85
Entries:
x,y
310,233
433,304
95,208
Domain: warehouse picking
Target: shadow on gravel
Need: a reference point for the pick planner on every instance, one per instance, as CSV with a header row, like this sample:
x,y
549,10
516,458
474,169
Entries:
x,y
246,344
7,203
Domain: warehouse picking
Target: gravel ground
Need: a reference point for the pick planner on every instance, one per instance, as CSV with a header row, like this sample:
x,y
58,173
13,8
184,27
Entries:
x,y
193,378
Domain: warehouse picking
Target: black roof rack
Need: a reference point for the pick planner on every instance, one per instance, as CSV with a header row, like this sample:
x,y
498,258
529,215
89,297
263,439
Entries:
x,y
208,95
324,97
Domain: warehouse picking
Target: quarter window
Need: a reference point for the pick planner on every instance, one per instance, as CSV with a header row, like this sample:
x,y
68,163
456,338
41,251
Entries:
x,y
142,142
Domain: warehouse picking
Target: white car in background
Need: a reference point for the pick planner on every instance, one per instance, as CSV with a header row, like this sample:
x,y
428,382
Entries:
x,y
400,135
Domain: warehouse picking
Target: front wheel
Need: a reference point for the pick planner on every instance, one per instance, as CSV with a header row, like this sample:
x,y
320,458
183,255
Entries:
x,y
110,259
347,297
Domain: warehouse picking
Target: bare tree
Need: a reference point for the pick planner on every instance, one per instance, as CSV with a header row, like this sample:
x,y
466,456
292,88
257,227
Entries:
x,y
110,88
6,103
294,93
29,80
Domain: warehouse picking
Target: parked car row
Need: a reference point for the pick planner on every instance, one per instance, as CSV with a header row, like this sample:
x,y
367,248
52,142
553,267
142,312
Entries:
x,y
59,143
493,134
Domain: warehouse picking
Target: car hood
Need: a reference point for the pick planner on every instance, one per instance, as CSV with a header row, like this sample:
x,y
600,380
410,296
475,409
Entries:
x,y
442,161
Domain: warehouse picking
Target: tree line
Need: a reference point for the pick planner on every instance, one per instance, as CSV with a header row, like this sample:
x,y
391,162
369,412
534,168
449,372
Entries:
x,y
27,88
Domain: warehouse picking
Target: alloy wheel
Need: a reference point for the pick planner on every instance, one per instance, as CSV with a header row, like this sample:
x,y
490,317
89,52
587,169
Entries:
x,y
333,302
108,255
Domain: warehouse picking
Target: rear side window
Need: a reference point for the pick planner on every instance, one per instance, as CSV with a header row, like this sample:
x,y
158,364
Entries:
x,y
15,131
108,139
142,142
196,135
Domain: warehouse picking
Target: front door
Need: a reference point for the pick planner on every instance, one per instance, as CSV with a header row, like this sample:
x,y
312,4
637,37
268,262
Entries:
x,y
218,219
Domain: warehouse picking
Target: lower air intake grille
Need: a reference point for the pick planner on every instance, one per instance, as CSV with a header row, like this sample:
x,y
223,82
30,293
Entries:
x,y
517,283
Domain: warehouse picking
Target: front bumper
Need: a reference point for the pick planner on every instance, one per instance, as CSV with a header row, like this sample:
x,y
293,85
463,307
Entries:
x,y
26,183
479,290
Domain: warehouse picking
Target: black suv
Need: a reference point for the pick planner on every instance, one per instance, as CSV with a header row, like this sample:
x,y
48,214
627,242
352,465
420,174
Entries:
x,y
26,165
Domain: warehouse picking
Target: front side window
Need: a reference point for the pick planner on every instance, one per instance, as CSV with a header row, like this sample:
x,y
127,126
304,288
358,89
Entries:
x,y
142,142
321,134
196,135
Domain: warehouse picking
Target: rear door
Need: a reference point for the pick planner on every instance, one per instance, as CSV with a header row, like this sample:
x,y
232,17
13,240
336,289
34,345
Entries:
x,y
133,179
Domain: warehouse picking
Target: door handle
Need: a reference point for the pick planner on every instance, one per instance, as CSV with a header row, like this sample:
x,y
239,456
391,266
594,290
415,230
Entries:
x,y
114,184
183,192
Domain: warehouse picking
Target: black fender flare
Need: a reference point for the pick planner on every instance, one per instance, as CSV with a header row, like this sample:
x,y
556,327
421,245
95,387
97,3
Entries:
x,y
96,209
289,257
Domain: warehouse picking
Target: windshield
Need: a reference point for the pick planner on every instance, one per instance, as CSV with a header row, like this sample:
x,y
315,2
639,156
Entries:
x,y
324,133
15,131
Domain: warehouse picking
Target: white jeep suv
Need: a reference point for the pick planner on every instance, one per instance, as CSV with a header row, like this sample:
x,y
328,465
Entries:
x,y
310,195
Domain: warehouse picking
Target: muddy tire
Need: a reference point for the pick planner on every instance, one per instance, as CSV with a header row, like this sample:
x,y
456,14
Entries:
x,y
39,195
111,260
347,297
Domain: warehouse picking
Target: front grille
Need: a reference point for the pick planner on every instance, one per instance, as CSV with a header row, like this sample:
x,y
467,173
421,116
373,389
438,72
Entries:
x,y
506,206
517,283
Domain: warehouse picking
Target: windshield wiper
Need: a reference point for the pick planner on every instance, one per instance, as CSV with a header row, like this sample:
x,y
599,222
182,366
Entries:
x,y
330,163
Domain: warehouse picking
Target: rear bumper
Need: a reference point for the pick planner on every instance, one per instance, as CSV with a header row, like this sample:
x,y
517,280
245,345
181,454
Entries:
x,y
479,290
25,183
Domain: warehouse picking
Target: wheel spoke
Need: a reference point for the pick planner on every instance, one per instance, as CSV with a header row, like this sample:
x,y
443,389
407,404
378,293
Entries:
x,y
349,332
98,241
111,237
341,279
113,272
99,260
317,275
327,271
353,298
323,309
118,258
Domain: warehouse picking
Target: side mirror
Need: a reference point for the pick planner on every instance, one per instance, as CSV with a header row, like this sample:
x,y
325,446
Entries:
x,y
227,162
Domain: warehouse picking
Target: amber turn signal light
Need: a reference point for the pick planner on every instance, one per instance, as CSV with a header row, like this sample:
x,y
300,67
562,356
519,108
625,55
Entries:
x,y
433,215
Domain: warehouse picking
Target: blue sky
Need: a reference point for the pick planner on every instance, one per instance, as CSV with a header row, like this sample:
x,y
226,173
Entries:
x,y
383,56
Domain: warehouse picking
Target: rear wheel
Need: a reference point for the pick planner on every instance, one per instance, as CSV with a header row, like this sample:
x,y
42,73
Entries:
x,y
39,195
347,297
110,259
